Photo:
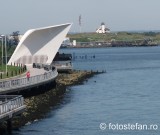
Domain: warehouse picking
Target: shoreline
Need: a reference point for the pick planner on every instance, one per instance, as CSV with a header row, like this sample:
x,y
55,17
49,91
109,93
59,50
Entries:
x,y
105,46
36,109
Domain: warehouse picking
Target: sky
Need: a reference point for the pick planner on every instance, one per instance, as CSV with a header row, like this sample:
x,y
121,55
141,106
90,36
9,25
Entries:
x,y
118,15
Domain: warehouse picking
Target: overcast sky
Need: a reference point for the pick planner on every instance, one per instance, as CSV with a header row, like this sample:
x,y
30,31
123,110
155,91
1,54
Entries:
x,y
118,15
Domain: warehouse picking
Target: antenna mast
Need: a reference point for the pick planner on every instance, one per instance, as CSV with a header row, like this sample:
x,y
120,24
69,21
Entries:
x,y
80,24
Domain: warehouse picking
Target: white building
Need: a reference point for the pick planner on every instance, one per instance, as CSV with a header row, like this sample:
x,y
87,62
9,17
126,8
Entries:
x,y
39,45
66,42
103,29
74,43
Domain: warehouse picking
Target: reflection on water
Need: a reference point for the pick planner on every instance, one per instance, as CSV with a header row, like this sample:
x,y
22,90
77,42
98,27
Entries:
x,y
127,93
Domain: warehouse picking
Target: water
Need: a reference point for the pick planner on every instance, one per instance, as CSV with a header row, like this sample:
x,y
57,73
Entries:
x,y
127,94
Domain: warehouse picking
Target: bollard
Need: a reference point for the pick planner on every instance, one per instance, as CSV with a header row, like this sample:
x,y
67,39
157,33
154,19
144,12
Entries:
x,y
21,70
25,68
11,73
15,72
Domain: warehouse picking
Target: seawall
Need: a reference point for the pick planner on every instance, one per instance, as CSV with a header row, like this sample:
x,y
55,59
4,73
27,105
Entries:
x,y
38,105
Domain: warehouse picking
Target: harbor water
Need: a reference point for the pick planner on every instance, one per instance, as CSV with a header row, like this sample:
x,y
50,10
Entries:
x,y
123,101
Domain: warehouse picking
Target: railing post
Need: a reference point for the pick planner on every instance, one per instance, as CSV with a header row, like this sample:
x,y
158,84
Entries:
x,y
0,109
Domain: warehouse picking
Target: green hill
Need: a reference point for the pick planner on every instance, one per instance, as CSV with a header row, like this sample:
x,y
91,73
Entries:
x,y
119,36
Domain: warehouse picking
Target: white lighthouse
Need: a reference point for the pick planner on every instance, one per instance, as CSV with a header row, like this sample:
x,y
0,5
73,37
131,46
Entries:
x,y
103,29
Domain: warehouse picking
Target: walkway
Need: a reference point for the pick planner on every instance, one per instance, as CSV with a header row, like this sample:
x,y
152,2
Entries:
x,y
38,76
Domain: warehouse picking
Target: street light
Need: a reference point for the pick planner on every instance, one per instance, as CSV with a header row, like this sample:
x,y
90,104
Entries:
x,y
1,45
6,51
2,48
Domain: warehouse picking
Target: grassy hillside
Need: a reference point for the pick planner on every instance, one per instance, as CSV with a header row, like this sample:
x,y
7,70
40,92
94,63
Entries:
x,y
124,36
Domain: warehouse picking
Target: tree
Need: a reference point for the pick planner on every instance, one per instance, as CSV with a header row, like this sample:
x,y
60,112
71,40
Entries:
x,y
15,38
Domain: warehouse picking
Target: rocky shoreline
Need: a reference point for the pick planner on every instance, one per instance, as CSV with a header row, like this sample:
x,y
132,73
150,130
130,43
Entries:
x,y
39,105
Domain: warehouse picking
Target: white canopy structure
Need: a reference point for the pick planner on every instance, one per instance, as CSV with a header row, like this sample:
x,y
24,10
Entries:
x,y
40,45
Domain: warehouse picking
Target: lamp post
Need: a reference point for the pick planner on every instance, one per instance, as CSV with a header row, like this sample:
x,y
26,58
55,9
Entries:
x,y
1,45
6,51
1,42
2,48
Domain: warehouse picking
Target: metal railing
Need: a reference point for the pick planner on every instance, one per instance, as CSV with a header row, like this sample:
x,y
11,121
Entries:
x,y
8,103
45,66
23,82
62,65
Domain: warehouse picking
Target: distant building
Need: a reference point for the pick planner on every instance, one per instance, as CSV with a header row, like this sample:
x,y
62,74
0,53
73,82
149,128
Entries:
x,y
103,29
66,42
20,36
74,43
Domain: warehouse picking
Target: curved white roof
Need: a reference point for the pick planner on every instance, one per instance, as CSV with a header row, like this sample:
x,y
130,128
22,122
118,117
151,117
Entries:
x,y
40,42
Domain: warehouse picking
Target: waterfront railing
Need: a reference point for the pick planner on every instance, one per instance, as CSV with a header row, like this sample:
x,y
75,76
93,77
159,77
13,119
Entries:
x,y
8,103
24,82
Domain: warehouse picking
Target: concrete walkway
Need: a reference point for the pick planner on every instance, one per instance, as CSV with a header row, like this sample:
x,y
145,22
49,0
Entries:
x,y
35,71
37,77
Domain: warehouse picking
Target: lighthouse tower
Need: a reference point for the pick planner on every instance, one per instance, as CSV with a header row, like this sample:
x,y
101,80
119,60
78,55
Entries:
x,y
103,29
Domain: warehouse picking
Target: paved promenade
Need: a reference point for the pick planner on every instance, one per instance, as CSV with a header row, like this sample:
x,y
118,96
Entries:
x,y
35,71
37,77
